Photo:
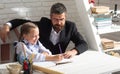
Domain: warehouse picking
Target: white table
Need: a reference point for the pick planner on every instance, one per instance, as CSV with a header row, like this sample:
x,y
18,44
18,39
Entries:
x,y
90,62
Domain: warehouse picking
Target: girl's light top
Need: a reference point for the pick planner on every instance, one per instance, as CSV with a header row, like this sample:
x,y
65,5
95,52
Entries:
x,y
30,49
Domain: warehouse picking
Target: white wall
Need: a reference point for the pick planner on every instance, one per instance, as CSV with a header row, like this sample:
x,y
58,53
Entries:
x,y
33,9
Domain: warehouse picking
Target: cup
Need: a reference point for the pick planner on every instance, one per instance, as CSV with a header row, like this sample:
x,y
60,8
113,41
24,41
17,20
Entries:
x,y
14,68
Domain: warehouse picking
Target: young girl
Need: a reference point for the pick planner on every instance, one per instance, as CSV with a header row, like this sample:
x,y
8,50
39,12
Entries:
x,y
29,45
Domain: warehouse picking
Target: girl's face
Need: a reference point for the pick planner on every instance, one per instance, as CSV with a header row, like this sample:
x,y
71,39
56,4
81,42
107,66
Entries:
x,y
32,36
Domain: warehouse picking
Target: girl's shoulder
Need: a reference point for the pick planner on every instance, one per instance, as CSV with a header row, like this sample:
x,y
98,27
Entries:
x,y
20,44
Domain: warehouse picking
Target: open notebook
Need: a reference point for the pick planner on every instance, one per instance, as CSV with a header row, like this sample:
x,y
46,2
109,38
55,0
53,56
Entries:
x,y
64,61
44,66
52,63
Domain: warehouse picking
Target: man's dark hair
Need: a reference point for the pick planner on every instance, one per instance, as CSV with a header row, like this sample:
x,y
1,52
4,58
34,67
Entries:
x,y
58,8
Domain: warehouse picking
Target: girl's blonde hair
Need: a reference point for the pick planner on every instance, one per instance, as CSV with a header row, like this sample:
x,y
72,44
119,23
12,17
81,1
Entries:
x,y
25,29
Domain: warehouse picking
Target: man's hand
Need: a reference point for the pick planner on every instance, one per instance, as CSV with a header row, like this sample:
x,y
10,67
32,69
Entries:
x,y
70,53
4,32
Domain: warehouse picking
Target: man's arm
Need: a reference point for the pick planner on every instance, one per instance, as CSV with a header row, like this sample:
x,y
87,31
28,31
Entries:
x,y
17,22
79,42
4,30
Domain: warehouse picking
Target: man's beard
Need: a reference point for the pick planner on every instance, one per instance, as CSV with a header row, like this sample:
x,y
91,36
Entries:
x,y
57,28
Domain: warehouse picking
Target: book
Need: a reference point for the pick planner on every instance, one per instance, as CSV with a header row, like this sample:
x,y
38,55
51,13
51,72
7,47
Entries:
x,y
100,9
52,63
45,66
107,43
64,61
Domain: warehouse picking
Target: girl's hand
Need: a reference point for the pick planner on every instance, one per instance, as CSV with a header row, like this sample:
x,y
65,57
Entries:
x,y
58,57
45,53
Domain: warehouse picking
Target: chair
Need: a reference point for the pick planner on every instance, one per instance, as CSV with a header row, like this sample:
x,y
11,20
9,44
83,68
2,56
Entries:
x,y
15,55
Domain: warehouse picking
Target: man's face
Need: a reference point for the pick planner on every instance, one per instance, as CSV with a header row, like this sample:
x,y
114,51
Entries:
x,y
58,21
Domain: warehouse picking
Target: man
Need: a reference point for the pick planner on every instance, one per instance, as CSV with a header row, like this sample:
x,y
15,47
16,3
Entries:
x,y
56,32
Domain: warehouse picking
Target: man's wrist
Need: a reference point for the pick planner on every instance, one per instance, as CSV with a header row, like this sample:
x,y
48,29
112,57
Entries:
x,y
9,24
6,27
74,51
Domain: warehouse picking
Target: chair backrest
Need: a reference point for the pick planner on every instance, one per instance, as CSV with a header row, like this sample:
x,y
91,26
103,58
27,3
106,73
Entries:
x,y
7,47
15,43
15,55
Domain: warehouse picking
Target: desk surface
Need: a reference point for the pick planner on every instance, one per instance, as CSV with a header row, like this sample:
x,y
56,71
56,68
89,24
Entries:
x,y
90,62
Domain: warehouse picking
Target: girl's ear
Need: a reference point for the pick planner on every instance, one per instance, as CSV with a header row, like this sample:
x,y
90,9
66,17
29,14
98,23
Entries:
x,y
24,36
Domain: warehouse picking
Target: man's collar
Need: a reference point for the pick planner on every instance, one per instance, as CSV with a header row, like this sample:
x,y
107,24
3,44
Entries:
x,y
55,31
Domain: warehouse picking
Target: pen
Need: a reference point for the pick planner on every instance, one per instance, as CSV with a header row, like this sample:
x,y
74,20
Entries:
x,y
60,49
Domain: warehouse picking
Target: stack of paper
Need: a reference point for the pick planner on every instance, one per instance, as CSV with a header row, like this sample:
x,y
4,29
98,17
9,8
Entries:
x,y
103,21
107,43
100,9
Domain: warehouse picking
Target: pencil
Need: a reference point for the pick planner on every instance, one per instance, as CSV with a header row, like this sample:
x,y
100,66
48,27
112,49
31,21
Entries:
x,y
60,49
